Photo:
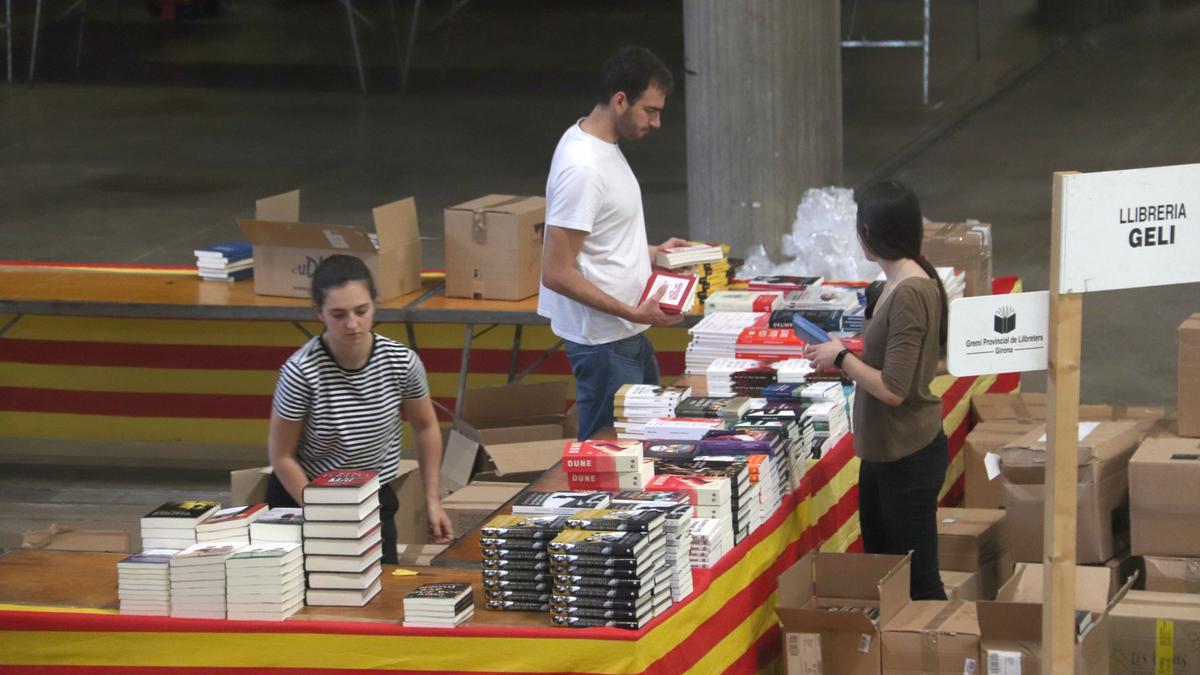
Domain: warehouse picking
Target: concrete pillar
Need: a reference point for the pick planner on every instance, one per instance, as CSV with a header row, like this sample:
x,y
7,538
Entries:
x,y
764,114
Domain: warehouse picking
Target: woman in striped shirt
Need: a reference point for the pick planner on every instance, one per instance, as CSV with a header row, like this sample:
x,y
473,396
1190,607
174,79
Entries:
x,y
339,400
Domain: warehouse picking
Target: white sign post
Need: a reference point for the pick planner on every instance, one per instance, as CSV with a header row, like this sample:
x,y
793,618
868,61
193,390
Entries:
x,y
1007,333
1109,230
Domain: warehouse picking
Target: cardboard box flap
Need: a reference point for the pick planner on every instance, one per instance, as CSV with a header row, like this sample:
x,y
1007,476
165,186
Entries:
x,y
511,204
336,238
513,458
856,576
458,461
1109,443
1189,331
813,620
514,404
1182,451
66,538
489,495
1015,406
1092,586
796,583
1157,605
935,616
396,224
1010,621
957,522
282,208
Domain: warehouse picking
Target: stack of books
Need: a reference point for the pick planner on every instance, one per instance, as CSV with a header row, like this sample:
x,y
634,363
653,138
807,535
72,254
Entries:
x,y
724,377
198,581
558,503
829,320
280,525
715,337
783,282
606,577
342,542
688,255
742,505
829,422
264,582
173,525
515,562
730,410
710,496
677,524
796,431
231,524
954,281
636,404
439,605
821,298
713,278
710,541
606,465
144,583
742,301
227,261
681,428
793,371
769,344
767,477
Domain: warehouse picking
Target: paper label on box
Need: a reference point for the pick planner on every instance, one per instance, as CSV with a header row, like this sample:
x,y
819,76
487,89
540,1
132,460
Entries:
x,y
1000,662
336,239
1164,647
969,666
991,463
804,654
864,643
949,520
1085,428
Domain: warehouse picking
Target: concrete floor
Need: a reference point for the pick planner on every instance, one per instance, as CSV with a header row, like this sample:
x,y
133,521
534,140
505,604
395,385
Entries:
x,y
167,133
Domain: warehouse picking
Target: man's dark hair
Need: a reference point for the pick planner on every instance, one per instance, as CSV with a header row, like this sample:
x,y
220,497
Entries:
x,y
632,70
337,271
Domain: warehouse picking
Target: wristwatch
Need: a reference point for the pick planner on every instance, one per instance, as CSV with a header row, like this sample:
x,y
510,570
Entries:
x,y
837,360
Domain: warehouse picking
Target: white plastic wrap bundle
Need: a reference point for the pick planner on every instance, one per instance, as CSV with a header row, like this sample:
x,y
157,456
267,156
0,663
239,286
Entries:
x,y
823,241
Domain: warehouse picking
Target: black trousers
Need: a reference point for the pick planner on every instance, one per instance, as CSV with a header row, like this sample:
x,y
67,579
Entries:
x,y
897,507
277,496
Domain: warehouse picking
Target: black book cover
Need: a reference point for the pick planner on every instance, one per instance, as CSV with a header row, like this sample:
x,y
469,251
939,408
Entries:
x,y
627,605
532,576
589,542
594,561
615,521
577,580
490,553
594,613
517,606
513,544
584,622
518,596
634,594
506,585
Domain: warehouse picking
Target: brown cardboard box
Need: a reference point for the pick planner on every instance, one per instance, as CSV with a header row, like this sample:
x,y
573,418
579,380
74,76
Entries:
x,y
960,585
248,486
1102,528
1122,567
932,637
520,462
476,502
286,251
980,491
1172,575
1146,626
1012,624
1189,377
419,555
494,247
839,642
1031,407
505,415
975,540
66,538
967,246
1104,450
1164,498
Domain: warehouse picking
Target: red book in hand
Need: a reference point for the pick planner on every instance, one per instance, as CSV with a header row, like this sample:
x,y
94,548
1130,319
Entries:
x,y
678,297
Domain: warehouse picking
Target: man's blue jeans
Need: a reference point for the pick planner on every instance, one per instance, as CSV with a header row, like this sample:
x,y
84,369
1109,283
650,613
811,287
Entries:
x,y
600,370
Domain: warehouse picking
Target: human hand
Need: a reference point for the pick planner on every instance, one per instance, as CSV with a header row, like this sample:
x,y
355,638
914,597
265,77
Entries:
x,y
672,243
441,530
650,312
822,355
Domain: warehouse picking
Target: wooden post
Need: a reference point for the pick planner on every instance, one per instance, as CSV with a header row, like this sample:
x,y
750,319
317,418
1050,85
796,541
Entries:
x,y
764,114
1062,429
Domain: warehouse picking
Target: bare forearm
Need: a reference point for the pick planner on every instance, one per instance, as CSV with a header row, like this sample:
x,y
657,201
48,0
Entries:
x,y
429,455
291,475
571,283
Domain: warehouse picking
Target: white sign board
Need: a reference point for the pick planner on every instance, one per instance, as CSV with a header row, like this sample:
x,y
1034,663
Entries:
x,y
1130,229
1007,333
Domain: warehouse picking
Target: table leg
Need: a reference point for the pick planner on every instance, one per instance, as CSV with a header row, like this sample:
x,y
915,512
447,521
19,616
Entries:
x,y
412,335
37,26
468,336
362,78
516,353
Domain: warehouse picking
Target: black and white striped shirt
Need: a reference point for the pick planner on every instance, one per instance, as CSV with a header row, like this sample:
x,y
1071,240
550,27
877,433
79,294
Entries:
x,y
351,417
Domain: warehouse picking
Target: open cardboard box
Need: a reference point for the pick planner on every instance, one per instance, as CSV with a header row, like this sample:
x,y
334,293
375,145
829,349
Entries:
x,y
1011,625
1031,407
512,432
981,491
975,540
287,251
471,505
839,642
932,637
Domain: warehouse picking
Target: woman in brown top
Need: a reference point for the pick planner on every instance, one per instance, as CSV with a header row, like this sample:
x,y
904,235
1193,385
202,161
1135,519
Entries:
x,y
897,420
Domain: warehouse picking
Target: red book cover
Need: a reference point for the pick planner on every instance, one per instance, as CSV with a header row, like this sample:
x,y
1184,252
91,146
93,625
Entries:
x,y
227,517
679,289
343,479
769,337
701,490
601,456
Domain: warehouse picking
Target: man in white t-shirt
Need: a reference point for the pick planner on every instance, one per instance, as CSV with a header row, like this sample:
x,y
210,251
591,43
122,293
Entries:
x,y
596,259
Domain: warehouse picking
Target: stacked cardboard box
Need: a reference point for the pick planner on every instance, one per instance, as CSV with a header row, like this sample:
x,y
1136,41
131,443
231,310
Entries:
x,y
1189,377
975,541
967,246
1165,511
1102,490
1155,633
494,247
983,488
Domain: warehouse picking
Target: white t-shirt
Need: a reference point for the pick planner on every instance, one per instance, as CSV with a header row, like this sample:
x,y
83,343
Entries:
x,y
591,188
